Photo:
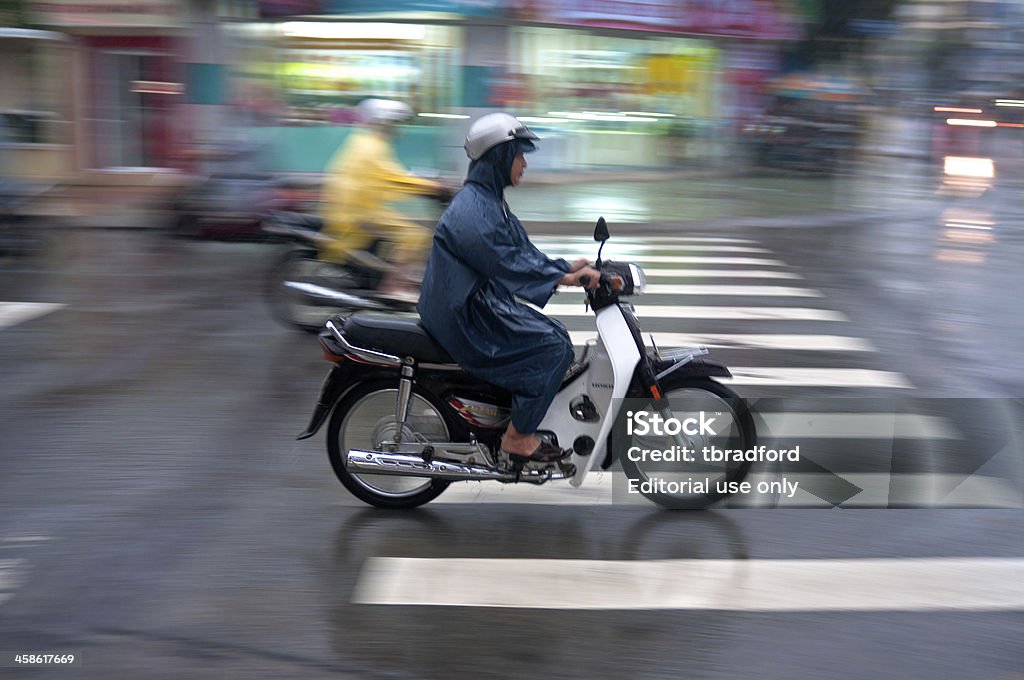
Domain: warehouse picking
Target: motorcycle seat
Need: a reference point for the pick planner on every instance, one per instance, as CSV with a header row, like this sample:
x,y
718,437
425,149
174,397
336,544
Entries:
x,y
399,334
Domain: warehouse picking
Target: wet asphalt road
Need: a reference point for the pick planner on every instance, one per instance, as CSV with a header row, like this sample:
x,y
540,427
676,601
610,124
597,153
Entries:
x,y
158,518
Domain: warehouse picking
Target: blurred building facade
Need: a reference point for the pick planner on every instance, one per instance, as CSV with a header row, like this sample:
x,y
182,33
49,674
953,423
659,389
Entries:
x,y
624,83
124,79
608,83
36,104
136,87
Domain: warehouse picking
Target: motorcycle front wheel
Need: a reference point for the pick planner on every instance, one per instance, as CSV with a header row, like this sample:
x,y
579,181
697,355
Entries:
x,y
366,417
704,474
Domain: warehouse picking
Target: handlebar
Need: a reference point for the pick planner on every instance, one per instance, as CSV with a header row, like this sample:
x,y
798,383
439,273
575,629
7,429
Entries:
x,y
611,283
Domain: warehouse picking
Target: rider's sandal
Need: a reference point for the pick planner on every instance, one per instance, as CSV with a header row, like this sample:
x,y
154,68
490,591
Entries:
x,y
544,453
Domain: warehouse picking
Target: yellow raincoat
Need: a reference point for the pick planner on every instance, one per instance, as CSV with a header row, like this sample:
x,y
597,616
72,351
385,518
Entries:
x,y
362,178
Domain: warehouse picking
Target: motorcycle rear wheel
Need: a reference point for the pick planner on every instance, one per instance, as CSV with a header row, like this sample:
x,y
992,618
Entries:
x,y
367,416
733,429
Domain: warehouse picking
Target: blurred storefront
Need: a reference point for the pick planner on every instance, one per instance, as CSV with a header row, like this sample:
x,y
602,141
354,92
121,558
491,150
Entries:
x,y
310,75
643,82
36,136
621,83
611,100
127,79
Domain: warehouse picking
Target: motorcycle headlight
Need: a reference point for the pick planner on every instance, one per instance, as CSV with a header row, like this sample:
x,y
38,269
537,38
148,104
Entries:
x,y
639,279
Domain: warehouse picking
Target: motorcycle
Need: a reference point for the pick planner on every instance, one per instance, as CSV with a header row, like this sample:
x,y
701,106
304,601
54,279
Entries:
x,y
304,291
224,198
406,421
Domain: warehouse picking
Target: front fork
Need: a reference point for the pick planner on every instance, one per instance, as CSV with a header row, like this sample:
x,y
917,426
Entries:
x,y
650,385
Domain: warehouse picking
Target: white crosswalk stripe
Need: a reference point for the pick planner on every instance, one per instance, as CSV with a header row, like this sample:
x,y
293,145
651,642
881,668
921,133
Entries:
x,y
707,312
804,342
933,490
740,291
664,273
980,584
13,313
816,377
681,259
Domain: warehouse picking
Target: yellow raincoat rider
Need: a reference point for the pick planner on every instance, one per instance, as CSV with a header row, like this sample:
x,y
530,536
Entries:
x,y
362,178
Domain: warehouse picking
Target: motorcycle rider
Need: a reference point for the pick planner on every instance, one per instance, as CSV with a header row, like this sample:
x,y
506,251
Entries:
x,y
480,261
363,176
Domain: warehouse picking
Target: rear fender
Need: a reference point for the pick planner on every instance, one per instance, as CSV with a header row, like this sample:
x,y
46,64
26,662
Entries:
x,y
334,387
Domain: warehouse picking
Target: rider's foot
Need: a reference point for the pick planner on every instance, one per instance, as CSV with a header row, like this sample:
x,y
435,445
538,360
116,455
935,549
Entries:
x,y
531,448
401,295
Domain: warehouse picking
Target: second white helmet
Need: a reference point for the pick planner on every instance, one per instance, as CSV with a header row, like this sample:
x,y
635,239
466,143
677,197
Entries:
x,y
383,111
493,129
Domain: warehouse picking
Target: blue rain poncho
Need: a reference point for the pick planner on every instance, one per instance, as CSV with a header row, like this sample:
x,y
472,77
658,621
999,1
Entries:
x,y
480,262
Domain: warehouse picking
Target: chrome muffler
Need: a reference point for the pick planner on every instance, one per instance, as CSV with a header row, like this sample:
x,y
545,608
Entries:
x,y
409,465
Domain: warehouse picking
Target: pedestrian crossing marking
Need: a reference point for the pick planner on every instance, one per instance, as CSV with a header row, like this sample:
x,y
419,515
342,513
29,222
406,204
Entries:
x,y
798,342
719,273
625,251
738,291
687,259
813,425
654,240
815,377
748,268
868,584
702,312
13,313
878,490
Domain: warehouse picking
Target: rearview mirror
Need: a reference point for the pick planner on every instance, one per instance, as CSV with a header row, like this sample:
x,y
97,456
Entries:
x,y
601,230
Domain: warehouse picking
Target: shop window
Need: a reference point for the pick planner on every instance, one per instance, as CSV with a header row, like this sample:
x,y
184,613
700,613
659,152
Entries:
x,y
34,91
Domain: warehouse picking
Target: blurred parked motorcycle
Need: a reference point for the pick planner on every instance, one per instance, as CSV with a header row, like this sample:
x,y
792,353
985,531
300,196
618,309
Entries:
x,y
20,213
229,202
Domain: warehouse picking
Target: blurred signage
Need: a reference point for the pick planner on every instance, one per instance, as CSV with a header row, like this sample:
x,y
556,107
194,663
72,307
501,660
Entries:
x,y
764,19
106,13
477,8
287,8
873,27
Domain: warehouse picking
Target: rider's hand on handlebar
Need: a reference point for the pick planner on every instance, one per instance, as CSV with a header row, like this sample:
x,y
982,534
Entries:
x,y
573,278
579,264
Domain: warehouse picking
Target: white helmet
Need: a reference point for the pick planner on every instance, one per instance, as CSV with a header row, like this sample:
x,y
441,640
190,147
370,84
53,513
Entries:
x,y
493,129
383,111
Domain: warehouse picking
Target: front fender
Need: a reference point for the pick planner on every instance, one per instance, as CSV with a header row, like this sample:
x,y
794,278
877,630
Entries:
x,y
695,368
334,387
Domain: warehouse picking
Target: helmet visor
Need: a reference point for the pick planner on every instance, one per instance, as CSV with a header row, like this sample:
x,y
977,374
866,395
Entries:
x,y
524,138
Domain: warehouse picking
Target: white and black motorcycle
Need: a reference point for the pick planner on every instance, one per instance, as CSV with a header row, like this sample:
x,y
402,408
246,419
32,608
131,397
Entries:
x,y
408,421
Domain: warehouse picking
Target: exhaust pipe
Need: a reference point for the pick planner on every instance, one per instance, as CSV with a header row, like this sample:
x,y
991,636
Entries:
x,y
330,296
406,465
